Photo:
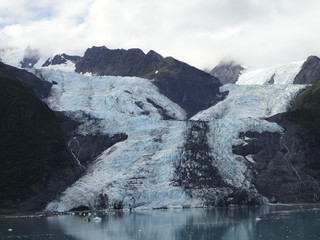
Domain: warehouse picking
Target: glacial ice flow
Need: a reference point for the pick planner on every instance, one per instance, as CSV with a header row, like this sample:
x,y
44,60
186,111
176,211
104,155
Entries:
x,y
280,74
139,172
251,101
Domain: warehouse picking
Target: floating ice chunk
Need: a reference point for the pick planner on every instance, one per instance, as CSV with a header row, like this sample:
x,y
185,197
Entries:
x,y
97,219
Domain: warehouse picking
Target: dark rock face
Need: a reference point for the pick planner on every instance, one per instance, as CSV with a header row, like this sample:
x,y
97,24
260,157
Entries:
x,y
189,87
285,163
227,72
31,142
196,173
198,176
310,71
161,111
196,169
86,148
61,59
119,62
40,87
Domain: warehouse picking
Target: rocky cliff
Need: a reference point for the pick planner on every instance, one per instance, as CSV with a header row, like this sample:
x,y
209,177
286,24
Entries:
x,y
227,72
310,71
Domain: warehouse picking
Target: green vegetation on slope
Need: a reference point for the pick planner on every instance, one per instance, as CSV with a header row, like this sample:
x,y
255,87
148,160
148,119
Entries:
x,y
310,99
31,142
308,113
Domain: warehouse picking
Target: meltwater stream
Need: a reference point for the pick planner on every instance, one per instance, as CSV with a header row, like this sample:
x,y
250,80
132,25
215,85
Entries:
x,y
294,222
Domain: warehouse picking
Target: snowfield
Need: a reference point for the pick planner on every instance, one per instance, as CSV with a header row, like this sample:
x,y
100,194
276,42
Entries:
x,y
280,74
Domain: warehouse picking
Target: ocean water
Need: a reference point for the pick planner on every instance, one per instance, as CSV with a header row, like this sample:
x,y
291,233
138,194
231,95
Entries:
x,y
277,222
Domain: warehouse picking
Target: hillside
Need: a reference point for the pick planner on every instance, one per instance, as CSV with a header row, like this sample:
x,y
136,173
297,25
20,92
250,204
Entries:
x,y
31,142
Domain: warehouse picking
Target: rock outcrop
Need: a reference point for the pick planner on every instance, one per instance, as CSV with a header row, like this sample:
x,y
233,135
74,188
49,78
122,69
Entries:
x,y
310,71
227,72
287,165
61,59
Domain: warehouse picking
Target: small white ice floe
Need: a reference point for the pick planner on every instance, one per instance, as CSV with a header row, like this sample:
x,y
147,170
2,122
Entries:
x,y
97,219
174,207
10,230
258,219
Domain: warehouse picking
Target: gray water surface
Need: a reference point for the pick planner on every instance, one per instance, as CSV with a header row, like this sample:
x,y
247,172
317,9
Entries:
x,y
294,222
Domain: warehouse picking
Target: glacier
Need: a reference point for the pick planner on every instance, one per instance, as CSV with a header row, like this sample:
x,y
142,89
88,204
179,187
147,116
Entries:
x,y
160,165
279,74
141,172
252,101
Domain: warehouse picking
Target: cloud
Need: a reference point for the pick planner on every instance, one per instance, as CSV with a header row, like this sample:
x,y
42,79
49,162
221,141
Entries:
x,y
200,32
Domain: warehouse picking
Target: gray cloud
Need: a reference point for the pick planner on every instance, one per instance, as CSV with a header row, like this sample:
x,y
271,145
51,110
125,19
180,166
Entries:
x,y
200,32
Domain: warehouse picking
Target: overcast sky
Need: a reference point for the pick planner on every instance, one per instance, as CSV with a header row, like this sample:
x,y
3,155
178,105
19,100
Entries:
x,y
199,32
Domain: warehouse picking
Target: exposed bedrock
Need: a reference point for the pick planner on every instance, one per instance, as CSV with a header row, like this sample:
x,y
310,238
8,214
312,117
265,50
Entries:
x,y
286,165
310,71
201,179
227,72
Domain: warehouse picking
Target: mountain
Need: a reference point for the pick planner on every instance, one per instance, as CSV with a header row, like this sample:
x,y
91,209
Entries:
x,y
40,88
39,148
61,59
32,145
310,71
291,161
278,74
189,87
132,140
227,72
302,72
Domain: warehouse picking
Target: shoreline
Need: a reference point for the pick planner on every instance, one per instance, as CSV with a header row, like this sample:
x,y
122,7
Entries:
x,y
40,214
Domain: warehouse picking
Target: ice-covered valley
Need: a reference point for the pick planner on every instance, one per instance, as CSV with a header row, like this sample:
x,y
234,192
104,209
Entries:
x,y
279,74
162,163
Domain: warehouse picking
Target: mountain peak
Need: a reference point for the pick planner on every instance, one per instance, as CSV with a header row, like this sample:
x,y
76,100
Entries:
x,y
61,59
189,87
227,71
310,71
